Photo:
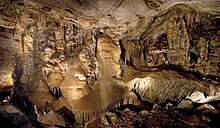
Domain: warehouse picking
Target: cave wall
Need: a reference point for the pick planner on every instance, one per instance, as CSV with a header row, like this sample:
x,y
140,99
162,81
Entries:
x,y
8,49
181,37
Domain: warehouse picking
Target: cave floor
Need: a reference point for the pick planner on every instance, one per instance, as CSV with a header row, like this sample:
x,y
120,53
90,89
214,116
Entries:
x,y
143,115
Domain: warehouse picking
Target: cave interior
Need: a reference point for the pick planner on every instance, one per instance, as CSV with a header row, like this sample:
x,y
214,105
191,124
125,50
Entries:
x,y
109,63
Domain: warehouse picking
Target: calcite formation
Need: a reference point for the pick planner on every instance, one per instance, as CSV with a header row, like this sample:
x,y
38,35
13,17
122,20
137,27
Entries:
x,y
162,86
8,50
94,56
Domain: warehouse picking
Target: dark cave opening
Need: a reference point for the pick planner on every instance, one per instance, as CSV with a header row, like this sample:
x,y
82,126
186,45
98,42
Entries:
x,y
193,57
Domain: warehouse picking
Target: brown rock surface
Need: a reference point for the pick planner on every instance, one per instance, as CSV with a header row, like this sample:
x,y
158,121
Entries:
x,y
12,117
52,119
153,118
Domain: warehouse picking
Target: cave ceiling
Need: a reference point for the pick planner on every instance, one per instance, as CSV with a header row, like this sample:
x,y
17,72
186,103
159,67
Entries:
x,y
118,18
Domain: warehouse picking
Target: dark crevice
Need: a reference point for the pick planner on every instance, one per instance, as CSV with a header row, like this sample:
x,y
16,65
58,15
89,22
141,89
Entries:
x,y
46,9
123,50
56,92
27,107
68,10
193,57
79,1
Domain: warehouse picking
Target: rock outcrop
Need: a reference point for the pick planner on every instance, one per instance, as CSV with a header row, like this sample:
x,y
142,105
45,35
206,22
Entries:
x,y
12,117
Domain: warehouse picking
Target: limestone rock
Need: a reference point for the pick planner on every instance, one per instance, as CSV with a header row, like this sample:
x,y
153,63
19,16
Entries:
x,y
199,97
12,117
105,121
186,105
74,85
52,119
150,118
8,49
157,87
112,117
101,98
205,107
108,57
42,96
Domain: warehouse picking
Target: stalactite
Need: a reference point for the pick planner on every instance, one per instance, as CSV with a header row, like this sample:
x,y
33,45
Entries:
x,y
46,72
22,43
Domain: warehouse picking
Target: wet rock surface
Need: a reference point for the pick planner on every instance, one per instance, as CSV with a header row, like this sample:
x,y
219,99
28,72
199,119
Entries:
x,y
52,119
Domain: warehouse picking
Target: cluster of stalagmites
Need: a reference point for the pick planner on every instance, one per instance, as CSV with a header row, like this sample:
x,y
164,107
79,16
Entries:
x,y
179,36
64,68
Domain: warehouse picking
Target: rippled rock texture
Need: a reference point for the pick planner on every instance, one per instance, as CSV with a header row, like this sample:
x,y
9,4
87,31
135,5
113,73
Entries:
x,y
84,57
